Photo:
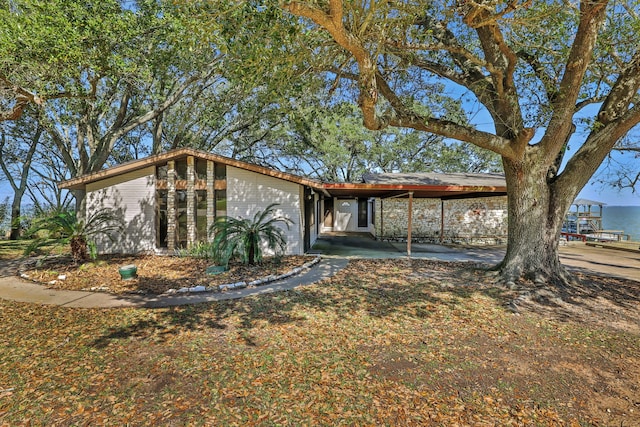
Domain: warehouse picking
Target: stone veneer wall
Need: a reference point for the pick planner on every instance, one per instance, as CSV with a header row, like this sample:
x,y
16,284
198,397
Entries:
x,y
471,221
392,217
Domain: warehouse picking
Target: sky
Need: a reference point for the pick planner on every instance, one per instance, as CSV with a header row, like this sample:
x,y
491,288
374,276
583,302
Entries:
x,y
609,195
595,189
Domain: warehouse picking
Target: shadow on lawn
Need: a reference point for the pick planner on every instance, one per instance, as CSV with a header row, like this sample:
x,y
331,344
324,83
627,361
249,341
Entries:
x,y
378,288
168,322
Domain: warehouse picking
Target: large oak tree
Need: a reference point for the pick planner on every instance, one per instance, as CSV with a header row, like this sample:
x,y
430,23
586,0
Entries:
x,y
543,72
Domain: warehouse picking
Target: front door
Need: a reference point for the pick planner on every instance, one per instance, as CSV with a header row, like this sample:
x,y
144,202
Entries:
x,y
327,218
345,210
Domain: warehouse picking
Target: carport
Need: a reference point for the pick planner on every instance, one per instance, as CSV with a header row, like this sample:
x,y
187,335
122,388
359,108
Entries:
x,y
386,186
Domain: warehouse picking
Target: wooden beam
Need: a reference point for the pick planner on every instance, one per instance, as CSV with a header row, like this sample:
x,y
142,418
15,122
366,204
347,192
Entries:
x,y
441,221
410,224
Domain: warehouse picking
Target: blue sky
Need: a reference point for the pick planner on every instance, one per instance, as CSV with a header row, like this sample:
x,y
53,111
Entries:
x,y
606,193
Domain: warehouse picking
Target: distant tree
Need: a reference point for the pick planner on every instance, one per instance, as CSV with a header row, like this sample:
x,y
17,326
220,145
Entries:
x,y
5,209
48,170
114,65
532,67
19,140
330,143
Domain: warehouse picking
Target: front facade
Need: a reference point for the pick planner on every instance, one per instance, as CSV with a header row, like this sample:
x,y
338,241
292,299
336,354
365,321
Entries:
x,y
170,201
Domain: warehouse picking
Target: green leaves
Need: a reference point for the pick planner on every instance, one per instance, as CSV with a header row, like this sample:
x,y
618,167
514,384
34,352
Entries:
x,y
65,227
245,237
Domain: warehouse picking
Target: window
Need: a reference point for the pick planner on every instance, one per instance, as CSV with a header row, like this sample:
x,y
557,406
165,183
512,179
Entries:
x,y
363,210
201,169
181,168
220,171
181,217
161,221
161,172
221,203
201,215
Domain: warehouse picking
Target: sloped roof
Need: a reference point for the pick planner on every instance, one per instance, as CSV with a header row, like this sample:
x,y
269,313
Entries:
x,y
587,202
431,185
445,179
158,159
375,185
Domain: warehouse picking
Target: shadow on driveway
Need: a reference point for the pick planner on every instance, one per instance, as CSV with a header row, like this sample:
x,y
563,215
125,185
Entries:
x,y
365,246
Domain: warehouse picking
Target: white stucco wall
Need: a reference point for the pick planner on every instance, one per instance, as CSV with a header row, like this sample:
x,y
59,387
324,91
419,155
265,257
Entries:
x,y
249,192
132,198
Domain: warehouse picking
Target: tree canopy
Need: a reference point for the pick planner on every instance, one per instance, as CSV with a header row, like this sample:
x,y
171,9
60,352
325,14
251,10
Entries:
x,y
541,73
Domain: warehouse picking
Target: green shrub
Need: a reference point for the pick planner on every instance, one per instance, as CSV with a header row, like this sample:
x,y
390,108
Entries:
x,y
243,237
64,227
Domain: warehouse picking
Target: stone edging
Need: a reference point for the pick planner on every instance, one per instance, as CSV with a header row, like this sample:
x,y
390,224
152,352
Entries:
x,y
244,284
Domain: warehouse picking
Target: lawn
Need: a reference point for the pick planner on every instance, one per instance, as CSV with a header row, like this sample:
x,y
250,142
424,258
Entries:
x,y
382,343
13,249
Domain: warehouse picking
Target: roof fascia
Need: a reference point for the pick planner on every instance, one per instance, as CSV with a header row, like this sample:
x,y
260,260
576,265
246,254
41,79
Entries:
x,y
80,182
413,187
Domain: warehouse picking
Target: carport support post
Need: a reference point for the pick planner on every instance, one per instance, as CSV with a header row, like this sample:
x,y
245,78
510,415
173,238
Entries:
x,y
409,224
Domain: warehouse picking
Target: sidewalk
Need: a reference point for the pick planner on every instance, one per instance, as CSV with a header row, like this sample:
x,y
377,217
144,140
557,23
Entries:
x,y
14,289
335,255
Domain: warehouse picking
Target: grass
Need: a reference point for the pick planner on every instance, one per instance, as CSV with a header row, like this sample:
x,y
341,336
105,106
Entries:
x,y
382,343
14,249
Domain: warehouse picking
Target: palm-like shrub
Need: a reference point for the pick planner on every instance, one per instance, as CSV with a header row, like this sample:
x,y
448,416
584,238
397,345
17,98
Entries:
x,y
244,237
64,227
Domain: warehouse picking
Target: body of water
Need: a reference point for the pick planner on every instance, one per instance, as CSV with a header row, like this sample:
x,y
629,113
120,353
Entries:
x,y
625,218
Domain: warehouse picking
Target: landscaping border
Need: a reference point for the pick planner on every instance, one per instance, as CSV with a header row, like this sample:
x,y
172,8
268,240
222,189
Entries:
x,y
244,284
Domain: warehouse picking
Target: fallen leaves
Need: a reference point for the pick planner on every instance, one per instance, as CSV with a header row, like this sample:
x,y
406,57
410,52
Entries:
x,y
156,274
382,343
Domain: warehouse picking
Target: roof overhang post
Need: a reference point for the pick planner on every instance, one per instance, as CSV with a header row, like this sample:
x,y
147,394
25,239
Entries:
x,y
409,223
441,221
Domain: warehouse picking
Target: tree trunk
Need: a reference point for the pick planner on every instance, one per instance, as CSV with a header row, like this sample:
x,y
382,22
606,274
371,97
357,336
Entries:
x,y
15,213
79,250
535,220
252,254
15,221
81,208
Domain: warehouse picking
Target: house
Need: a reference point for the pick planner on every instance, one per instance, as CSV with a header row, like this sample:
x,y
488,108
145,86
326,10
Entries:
x,y
170,200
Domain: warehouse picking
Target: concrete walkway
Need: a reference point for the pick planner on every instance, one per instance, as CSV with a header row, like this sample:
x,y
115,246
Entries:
x,y
14,289
336,252
576,256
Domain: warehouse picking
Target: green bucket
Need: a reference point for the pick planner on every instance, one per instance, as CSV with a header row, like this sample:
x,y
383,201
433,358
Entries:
x,y
216,269
128,272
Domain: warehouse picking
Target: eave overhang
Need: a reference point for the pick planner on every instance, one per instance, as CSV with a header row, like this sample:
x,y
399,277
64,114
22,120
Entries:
x,y
381,190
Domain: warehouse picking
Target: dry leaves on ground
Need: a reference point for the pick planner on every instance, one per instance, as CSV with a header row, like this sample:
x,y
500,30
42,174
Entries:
x,y
156,274
388,342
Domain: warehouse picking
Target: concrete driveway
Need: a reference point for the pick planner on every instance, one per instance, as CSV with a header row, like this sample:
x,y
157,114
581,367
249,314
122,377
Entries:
x,y
575,255
365,246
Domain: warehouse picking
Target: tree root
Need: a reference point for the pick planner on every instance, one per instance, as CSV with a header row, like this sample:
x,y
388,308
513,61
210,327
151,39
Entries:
x,y
540,287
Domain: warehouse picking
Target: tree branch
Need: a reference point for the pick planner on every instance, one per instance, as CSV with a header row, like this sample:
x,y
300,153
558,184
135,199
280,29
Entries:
x,y
594,150
622,93
592,14
332,22
404,117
